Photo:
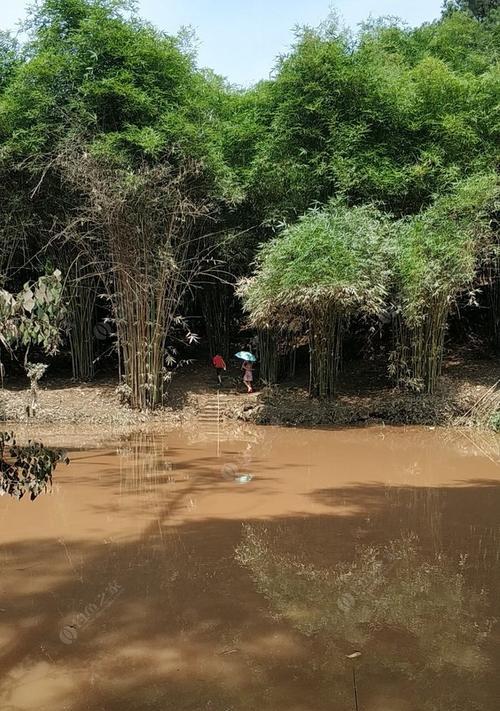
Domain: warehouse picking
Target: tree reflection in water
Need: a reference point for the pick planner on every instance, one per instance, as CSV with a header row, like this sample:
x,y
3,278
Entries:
x,y
411,615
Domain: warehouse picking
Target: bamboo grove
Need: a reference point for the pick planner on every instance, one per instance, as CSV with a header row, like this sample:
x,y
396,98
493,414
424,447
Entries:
x,y
358,186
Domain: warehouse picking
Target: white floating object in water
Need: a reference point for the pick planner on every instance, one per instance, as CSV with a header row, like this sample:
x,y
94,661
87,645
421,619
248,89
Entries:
x,y
243,478
354,655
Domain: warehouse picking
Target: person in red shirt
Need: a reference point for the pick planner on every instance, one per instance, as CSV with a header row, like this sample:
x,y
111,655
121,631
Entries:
x,y
219,365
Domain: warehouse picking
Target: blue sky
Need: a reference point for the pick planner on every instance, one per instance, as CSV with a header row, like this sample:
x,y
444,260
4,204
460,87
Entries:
x,y
241,38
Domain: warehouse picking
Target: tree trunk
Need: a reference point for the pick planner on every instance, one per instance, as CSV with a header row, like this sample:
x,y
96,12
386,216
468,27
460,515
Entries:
x,y
141,329
81,292
419,349
325,350
268,356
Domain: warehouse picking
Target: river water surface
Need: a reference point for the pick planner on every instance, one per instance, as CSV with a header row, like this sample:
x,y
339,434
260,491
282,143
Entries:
x,y
237,571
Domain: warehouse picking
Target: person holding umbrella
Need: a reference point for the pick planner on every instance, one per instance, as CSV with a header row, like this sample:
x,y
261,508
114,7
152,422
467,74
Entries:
x,y
247,368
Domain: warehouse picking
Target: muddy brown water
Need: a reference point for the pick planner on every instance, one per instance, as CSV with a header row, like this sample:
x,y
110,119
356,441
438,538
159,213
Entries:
x,y
153,577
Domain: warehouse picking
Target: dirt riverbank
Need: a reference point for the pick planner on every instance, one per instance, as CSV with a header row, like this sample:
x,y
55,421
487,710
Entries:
x,y
364,396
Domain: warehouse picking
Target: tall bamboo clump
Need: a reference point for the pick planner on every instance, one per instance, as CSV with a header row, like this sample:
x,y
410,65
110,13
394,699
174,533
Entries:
x,y
277,349
80,294
437,255
268,355
332,263
143,228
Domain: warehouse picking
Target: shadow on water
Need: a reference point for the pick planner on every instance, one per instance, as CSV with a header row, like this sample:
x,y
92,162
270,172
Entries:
x,y
144,601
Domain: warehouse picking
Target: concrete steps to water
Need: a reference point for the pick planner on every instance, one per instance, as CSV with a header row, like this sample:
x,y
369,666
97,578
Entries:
x,y
211,412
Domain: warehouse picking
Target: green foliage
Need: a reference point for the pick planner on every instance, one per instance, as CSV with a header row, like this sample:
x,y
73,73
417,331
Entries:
x,y
439,250
328,265
9,57
94,72
341,260
26,470
437,256
335,256
395,117
33,317
478,8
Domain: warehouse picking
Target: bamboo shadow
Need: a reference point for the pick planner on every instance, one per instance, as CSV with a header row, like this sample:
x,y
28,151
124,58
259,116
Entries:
x,y
189,630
